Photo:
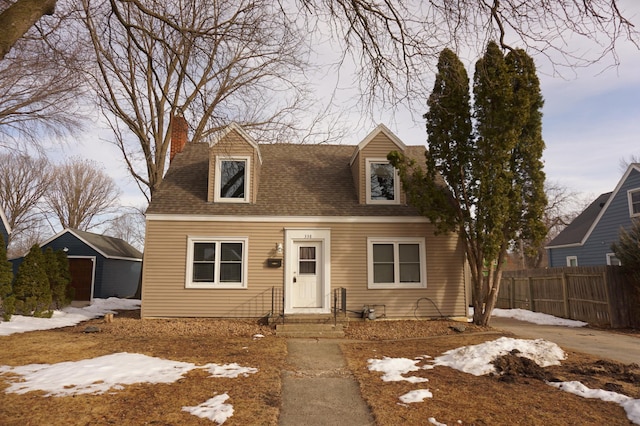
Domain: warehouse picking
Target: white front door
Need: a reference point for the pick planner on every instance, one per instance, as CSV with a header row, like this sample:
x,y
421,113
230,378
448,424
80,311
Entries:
x,y
306,277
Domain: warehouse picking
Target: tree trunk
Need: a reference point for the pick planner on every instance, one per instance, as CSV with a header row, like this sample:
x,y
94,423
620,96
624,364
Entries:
x,y
18,18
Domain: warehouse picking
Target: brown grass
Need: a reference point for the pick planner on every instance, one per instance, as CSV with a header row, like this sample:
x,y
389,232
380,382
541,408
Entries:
x,y
518,397
461,398
255,398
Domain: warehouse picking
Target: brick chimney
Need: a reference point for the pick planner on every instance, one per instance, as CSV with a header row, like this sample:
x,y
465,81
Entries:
x,y
179,129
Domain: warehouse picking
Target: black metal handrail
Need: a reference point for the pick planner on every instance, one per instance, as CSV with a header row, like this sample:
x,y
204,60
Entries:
x,y
277,303
339,303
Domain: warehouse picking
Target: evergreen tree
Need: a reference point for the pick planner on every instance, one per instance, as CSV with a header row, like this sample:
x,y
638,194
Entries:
x,y
6,277
483,181
57,266
627,250
31,287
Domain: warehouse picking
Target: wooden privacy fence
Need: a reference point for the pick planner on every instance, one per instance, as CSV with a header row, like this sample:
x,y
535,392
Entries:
x,y
599,295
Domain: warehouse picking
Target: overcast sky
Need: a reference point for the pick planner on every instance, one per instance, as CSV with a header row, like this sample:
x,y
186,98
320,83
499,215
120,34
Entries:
x,y
591,121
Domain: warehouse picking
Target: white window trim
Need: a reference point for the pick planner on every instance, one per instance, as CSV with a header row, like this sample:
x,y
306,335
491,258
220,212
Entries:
x,y
396,182
570,258
629,194
395,241
611,256
216,284
218,180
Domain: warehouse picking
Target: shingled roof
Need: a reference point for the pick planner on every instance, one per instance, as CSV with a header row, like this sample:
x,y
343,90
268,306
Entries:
x,y
575,232
109,247
295,180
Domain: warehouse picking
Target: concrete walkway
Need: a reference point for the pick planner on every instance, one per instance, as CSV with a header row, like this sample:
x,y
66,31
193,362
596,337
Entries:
x,y
317,387
600,343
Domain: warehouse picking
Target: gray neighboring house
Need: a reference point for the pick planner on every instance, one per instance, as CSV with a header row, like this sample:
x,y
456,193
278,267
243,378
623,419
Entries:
x,y
5,229
100,266
588,238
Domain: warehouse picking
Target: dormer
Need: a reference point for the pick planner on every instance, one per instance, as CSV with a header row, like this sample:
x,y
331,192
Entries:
x,y
376,180
234,167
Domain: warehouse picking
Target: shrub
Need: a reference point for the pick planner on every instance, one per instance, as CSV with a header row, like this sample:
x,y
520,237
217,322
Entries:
x,y
31,287
6,277
57,267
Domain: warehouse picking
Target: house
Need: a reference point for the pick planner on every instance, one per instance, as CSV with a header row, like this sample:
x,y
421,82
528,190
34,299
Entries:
x,y
245,229
587,239
5,228
100,266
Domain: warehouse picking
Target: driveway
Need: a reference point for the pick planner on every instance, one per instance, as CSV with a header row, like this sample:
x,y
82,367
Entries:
x,y
604,344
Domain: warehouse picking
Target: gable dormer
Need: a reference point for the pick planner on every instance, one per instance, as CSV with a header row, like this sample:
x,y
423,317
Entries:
x,y
376,180
234,167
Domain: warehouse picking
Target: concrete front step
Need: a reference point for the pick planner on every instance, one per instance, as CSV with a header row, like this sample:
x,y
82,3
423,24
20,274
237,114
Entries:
x,y
306,330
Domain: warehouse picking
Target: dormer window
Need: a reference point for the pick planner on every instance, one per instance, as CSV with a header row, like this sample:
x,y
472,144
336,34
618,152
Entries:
x,y
382,182
232,180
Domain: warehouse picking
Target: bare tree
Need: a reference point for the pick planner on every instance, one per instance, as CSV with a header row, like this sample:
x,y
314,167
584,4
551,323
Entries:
x,y
79,193
563,205
215,61
17,18
625,162
395,43
40,83
23,182
128,226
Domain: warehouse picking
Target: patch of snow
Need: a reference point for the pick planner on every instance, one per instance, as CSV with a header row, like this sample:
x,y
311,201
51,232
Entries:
x,y
536,317
94,376
231,371
433,421
67,317
631,406
394,368
476,359
258,336
417,395
213,409
98,375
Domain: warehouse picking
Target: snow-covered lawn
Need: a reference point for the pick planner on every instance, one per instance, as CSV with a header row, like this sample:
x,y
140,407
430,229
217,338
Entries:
x,y
110,372
68,316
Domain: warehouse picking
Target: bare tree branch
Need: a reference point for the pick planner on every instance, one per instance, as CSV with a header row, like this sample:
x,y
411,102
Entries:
x,y
18,18
218,62
79,192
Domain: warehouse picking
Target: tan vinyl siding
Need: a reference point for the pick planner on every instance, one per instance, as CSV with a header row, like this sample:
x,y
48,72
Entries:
x,y
233,144
164,293
379,147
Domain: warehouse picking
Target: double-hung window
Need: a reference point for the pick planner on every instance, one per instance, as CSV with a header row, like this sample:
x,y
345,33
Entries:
x,y
216,262
396,263
232,180
382,182
634,202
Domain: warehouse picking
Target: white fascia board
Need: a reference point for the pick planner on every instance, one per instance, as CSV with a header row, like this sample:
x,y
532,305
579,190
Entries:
x,y
246,136
4,220
563,246
289,219
380,128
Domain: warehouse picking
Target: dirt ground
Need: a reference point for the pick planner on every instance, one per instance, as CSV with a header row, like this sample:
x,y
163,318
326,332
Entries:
x,y
517,396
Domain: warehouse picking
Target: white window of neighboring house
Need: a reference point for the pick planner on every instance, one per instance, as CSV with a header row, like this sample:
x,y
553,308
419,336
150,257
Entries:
x,y
216,262
396,263
634,202
613,260
232,180
382,182
572,260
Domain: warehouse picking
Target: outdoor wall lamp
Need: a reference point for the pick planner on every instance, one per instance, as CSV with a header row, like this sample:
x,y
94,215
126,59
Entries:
x,y
279,248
